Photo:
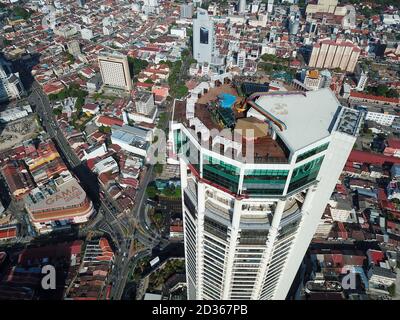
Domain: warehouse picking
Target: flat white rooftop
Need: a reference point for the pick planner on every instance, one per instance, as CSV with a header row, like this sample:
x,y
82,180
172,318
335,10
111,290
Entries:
x,y
308,116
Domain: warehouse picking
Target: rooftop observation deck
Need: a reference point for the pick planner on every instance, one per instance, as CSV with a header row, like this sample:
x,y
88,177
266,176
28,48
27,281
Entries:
x,y
266,149
273,122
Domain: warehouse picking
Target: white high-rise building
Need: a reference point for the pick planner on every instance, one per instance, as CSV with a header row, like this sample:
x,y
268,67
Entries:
x,y
241,59
10,84
114,69
203,37
74,48
330,54
186,10
242,6
150,6
249,216
362,81
270,6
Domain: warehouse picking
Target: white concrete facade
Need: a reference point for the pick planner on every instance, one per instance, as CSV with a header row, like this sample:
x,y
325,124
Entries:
x,y
242,245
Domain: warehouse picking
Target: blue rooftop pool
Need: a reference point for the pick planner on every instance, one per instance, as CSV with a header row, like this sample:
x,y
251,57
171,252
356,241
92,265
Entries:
x,y
226,100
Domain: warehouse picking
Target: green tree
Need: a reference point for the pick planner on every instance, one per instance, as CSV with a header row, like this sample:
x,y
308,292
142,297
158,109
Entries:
x,y
392,290
158,168
57,111
7,42
22,13
105,129
151,191
136,65
181,91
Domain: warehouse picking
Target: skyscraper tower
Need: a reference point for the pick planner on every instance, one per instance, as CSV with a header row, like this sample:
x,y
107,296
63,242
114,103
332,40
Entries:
x,y
203,37
250,216
242,6
270,6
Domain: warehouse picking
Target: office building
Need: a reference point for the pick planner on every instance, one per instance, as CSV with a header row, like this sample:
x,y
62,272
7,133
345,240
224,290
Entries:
x,y
81,3
114,69
249,215
86,33
312,80
203,37
241,59
331,54
74,48
150,6
293,24
362,81
270,6
145,102
242,7
132,139
11,87
186,10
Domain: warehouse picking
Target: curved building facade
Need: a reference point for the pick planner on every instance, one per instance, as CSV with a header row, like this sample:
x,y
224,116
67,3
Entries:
x,y
66,204
252,203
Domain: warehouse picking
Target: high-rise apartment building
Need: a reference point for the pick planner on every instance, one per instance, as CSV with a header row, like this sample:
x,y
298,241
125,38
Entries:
x,y
241,59
270,6
10,83
242,6
150,6
362,80
186,10
114,69
203,37
74,48
249,215
331,54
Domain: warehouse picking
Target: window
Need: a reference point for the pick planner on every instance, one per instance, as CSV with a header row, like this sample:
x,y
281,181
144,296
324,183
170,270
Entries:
x,y
253,237
217,229
204,33
221,173
305,174
312,152
265,181
190,205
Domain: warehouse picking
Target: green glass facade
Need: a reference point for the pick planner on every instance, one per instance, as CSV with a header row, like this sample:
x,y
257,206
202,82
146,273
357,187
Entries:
x,y
256,182
221,173
312,152
305,174
264,182
178,141
183,145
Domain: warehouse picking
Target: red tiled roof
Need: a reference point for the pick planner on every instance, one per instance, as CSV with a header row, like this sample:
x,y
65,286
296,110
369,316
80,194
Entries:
x,y
394,143
90,106
8,233
54,87
109,121
130,181
144,84
376,256
371,158
361,95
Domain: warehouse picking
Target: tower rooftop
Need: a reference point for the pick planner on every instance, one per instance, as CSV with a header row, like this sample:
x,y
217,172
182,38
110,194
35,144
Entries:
x,y
308,116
